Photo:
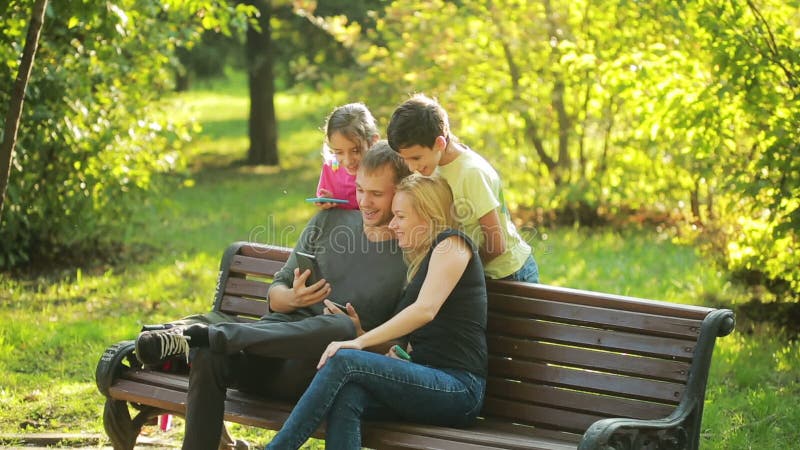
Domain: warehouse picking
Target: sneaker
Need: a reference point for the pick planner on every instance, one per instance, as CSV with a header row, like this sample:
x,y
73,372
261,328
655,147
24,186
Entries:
x,y
153,347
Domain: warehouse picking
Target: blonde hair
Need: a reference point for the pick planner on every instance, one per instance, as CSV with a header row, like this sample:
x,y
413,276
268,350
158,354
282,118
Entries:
x,y
431,198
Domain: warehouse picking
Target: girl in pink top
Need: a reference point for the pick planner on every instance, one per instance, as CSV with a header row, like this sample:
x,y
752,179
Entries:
x,y
350,130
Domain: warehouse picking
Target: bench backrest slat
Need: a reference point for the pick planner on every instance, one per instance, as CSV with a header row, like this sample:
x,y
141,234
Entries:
x,y
621,363
540,415
599,338
248,288
580,401
586,380
245,308
597,299
255,266
660,325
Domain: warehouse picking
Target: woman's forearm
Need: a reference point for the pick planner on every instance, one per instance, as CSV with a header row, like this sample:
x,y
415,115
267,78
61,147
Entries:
x,y
411,318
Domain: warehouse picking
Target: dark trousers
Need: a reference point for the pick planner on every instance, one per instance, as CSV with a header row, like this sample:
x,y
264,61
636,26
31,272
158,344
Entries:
x,y
275,356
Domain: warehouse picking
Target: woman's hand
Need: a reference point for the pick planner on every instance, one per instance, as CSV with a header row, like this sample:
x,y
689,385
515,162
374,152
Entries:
x,y
308,295
330,308
393,354
333,347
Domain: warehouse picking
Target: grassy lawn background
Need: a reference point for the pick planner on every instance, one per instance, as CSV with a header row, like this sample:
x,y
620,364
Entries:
x,y
56,324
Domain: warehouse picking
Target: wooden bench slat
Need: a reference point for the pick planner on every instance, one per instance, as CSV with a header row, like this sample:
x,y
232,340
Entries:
x,y
265,413
496,387
243,306
255,266
577,400
659,325
490,434
245,287
621,363
266,252
379,437
539,415
239,409
516,429
158,396
156,378
585,380
597,299
581,336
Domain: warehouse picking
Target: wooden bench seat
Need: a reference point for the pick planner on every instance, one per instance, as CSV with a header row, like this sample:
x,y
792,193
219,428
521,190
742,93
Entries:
x,y
567,369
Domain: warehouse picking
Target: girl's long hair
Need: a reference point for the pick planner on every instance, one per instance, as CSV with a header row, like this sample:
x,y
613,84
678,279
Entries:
x,y
432,199
355,122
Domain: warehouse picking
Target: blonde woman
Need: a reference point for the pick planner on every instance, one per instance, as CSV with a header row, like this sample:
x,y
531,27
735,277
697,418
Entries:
x,y
443,319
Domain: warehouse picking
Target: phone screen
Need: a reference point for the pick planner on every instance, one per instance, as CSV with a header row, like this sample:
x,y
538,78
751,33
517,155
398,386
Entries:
x,y
339,305
325,200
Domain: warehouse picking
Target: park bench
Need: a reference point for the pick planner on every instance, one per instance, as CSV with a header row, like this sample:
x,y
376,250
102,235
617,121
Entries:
x,y
567,369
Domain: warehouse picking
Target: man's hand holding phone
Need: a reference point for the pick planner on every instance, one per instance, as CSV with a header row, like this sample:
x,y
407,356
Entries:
x,y
337,308
308,295
334,307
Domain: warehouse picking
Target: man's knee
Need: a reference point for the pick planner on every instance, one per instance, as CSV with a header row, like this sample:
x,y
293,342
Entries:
x,y
210,365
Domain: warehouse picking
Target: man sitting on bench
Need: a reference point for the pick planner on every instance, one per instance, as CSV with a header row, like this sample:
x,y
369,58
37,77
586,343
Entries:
x,y
276,355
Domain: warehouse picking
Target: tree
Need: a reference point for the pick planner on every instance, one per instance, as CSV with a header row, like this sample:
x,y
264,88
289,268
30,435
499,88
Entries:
x,y
262,122
93,141
18,97
687,111
291,43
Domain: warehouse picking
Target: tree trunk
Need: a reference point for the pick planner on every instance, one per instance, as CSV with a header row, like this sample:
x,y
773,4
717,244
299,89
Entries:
x,y
262,125
531,126
694,202
18,96
563,172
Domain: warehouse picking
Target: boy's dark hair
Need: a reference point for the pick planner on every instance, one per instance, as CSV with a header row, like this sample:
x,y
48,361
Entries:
x,y
381,155
418,121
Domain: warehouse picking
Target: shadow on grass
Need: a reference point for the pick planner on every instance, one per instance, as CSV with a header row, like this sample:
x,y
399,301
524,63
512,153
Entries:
x,y
224,129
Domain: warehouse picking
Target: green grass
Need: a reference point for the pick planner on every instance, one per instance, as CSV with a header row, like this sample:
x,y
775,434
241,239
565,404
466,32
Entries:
x,y
56,325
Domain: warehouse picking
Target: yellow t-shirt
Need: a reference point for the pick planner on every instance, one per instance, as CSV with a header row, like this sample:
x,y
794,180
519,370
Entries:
x,y
477,190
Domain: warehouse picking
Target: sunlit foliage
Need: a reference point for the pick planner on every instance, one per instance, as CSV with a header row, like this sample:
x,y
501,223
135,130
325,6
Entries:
x,y
93,140
686,111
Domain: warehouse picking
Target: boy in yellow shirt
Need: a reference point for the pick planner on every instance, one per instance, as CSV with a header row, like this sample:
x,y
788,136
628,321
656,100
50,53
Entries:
x,y
419,131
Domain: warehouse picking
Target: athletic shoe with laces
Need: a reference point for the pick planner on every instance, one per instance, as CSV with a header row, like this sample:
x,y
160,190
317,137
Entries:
x,y
153,347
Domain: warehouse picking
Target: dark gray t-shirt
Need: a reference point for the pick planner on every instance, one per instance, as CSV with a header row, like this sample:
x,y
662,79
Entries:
x,y
370,275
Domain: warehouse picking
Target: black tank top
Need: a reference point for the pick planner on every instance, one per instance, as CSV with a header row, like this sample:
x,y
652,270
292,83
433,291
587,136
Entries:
x,y
456,337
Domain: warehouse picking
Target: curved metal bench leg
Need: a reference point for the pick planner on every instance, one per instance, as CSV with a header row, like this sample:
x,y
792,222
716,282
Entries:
x,y
120,427
227,441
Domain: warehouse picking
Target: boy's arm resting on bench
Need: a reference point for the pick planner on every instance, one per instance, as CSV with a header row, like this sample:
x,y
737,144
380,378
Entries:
x,y
494,243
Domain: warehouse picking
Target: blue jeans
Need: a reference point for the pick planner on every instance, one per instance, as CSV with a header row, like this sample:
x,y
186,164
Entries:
x,y
528,272
358,384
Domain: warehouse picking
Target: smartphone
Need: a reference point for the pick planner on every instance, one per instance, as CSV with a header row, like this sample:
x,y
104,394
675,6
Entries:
x,y
339,305
401,353
308,261
325,200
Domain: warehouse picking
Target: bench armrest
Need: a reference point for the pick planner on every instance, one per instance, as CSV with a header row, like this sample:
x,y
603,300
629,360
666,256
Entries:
x,y
115,359
681,429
